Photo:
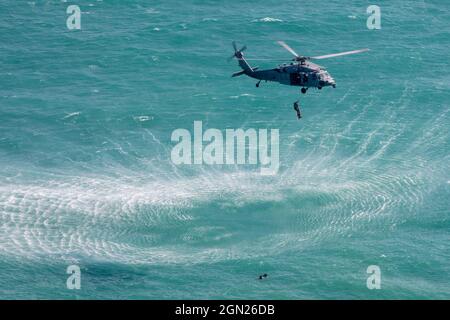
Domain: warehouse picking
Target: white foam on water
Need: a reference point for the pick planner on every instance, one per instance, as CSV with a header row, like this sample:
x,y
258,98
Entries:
x,y
112,219
268,19
70,115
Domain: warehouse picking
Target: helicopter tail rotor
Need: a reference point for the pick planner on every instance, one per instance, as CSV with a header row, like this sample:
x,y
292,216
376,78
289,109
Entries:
x,y
237,53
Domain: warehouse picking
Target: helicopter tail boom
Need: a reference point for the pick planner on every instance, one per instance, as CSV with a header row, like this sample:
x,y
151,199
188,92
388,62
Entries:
x,y
246,68
240,73
244,65
237,74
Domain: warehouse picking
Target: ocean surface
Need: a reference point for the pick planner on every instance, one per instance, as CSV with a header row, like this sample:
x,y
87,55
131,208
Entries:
x,y
86,177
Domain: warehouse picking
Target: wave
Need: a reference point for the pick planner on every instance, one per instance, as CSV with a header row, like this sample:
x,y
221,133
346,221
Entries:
x,y
267,19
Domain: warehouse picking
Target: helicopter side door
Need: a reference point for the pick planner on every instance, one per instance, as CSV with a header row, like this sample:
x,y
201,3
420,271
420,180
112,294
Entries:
x,y
301,79
296,79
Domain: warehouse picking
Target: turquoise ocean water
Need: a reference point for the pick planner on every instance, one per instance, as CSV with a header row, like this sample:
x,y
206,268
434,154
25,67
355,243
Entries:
x,y
86,178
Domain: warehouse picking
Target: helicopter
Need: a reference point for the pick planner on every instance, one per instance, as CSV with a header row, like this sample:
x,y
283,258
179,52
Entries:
x,y
300,72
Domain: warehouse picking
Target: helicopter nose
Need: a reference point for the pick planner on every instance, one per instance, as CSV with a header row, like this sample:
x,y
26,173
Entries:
x,y
326,80
329,81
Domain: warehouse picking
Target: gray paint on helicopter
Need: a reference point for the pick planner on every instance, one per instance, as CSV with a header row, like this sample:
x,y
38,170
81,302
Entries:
x,y
302,72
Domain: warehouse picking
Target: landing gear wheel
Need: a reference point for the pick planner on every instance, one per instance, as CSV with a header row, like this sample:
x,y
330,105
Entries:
x,y
304,90
257,84
320,88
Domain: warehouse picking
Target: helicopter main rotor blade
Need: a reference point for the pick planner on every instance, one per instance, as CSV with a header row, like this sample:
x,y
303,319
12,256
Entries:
x,y
266,59
284,45
339,54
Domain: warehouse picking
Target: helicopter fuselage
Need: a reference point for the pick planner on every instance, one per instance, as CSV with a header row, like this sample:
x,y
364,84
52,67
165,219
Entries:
x,y
305,75
301,73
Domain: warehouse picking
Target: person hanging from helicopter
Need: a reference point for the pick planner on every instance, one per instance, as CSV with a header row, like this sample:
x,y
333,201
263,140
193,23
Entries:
x,y
297,109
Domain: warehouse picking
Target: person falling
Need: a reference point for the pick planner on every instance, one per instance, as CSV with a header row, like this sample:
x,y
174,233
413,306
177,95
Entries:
x,y
297,109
